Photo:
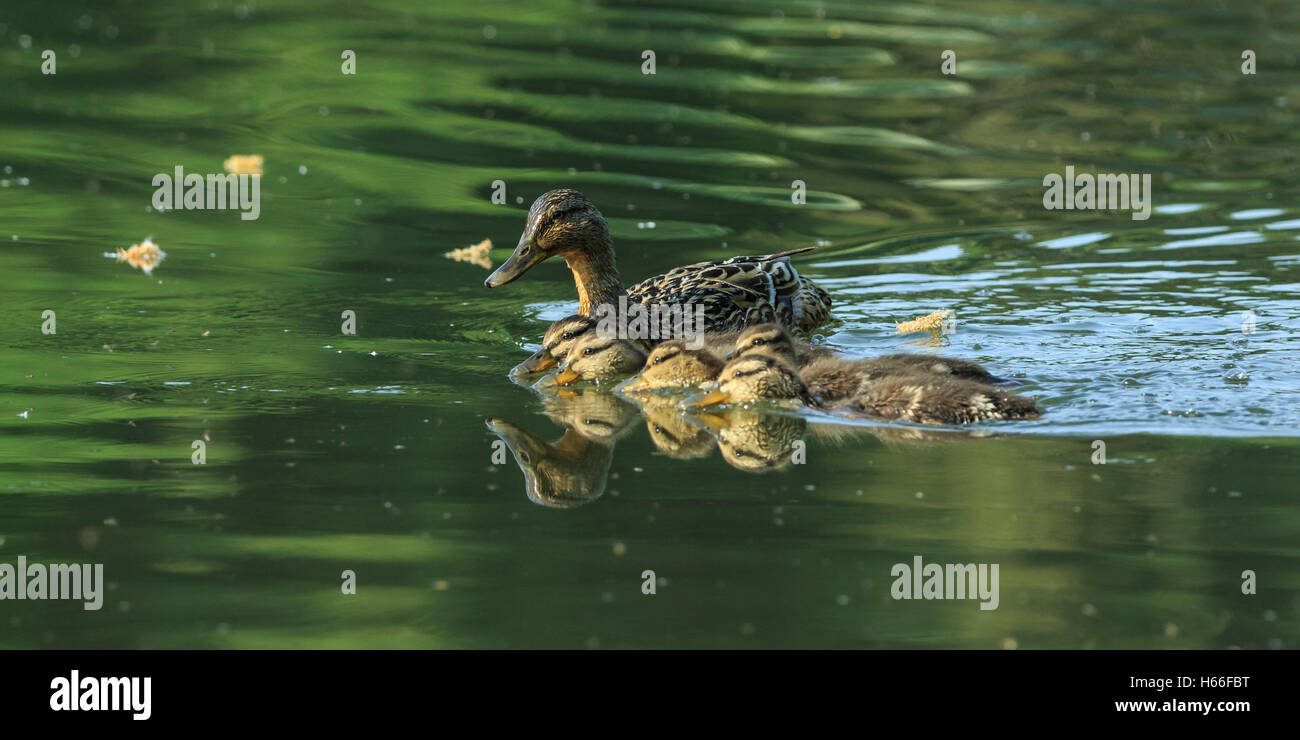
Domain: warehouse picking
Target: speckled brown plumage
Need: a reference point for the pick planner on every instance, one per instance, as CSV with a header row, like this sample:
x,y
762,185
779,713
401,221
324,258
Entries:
x,y
735,292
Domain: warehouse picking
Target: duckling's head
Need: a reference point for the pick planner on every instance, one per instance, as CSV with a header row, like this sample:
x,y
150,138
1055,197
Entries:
x,y
594,357
756,441
564,474
769,340
750,378
674,365
556,343
560,223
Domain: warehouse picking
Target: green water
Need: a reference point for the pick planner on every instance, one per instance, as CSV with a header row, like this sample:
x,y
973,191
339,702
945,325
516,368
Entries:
x,y
371,452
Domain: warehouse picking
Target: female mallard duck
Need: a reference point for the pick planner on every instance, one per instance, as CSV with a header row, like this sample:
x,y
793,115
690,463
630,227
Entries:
x,y
923,398
734,292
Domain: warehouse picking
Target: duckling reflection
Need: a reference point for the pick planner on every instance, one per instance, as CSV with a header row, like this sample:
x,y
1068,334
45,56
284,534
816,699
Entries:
x,y
594,413
755,441
564,474
673,434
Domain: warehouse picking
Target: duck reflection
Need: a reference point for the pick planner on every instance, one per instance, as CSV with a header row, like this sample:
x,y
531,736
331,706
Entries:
x,y
574,469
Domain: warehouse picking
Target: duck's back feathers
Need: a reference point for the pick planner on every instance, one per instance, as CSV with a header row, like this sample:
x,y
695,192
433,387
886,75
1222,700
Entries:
x,y
741,291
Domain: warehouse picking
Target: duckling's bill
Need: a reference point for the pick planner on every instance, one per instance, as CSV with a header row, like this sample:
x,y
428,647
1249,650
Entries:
x,y
539,361
564,377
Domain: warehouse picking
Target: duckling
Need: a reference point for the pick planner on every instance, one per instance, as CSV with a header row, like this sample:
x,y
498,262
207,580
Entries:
x,y
559,337
776,341
593,357
734,292
927,399
833,378
673,364
754,377
932,400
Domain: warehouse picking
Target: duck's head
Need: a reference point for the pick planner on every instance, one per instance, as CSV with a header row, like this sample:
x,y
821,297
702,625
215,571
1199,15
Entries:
x,y
560,223
557,341
674,365
594,357
768,340
752,378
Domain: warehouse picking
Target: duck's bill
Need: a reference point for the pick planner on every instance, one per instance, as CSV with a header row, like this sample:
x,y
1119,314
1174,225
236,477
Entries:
x,y
712,398
525,257
539,361
564,377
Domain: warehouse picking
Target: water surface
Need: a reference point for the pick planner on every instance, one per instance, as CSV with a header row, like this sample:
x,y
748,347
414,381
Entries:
x,y
1172,340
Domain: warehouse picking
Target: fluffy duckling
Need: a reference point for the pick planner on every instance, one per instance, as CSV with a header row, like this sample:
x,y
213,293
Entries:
x,y
561,335
751,378
775,341
593,357
833,378
932,400
926,399
675,365
559,338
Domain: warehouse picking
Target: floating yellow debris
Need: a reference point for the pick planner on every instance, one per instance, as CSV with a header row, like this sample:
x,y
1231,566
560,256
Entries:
x,y
243,164
935,323
476,254
144,256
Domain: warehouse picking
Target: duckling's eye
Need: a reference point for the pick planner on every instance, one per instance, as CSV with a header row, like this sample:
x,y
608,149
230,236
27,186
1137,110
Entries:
x,y
567,335
757,342
659,360
589,351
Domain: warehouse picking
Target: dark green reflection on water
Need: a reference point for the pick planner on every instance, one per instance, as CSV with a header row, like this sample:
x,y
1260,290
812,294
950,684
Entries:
x,y
370,452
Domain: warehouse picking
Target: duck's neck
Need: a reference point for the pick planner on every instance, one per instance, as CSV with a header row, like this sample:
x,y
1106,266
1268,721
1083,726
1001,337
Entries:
x,y
595,275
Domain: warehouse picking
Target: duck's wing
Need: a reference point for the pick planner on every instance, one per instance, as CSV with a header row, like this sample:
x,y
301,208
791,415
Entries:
x,y
728,305
735,291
